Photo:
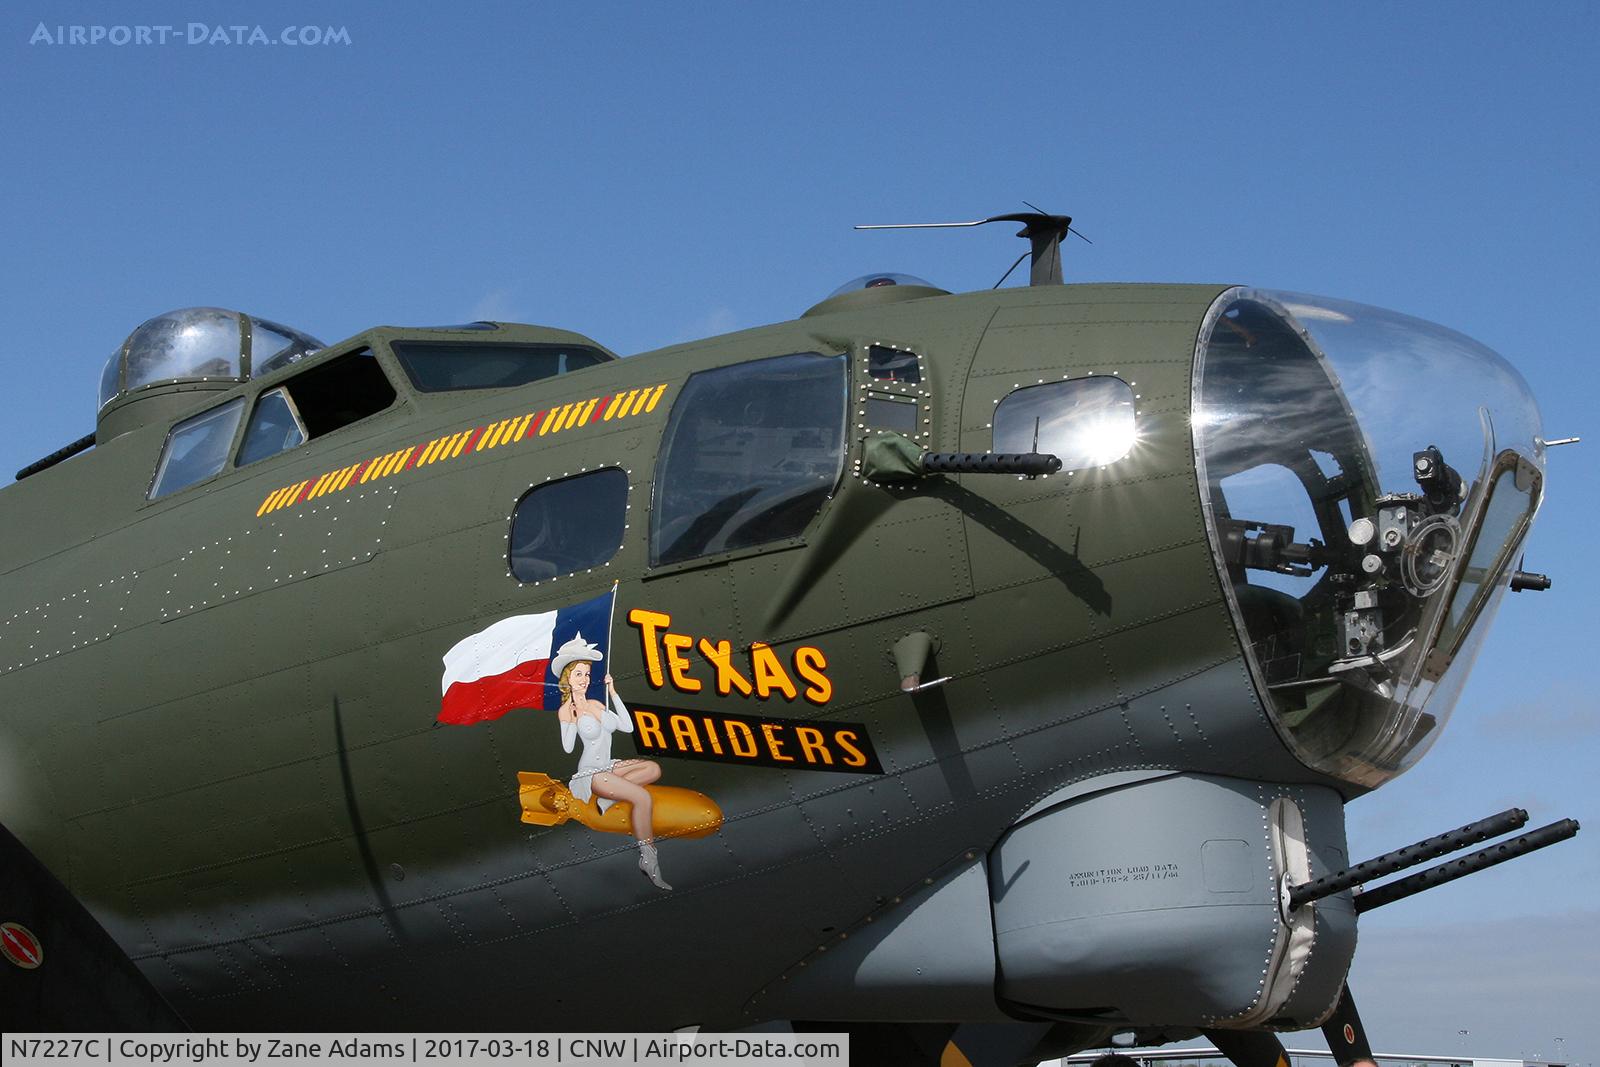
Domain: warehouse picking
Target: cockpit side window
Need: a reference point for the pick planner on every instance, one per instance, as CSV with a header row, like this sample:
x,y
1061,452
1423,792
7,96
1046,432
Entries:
x,y
1084,422
569,525
325,398
750,454
196,448
886,364
275,427
436,367
339,392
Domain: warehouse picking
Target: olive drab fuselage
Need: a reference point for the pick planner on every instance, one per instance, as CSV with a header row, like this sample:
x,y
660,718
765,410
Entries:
x,y
220,707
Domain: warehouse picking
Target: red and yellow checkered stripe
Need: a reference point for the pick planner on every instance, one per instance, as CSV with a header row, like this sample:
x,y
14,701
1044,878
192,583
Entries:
x,y
518,428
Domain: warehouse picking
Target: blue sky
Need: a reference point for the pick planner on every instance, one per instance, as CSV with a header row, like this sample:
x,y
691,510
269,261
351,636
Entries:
x,y
652,173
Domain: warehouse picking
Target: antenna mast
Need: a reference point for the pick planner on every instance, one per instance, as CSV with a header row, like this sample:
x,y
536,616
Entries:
x,y
1043,232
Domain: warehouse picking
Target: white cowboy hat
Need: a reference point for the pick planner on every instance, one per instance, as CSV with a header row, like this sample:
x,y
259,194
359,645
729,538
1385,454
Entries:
x,y
572,651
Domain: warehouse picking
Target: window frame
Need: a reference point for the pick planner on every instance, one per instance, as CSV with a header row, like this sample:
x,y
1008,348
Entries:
x,y
627,525
875,380
847,397
1077,382
322,367
279,378
283,377
397,346
164,456
294,413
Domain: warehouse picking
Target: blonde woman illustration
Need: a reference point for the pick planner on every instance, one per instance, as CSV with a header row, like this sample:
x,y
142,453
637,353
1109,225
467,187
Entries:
x,y
598,774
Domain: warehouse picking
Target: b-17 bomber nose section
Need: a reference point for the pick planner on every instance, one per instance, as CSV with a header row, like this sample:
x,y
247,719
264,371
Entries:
x,y
1103,628
967,658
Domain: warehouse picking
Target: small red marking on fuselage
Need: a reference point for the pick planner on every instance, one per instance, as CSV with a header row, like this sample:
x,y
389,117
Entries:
x,y
18,945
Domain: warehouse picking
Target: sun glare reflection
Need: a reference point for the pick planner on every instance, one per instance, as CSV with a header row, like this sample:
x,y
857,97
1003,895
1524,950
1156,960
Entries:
x,y
1103,438
1084,422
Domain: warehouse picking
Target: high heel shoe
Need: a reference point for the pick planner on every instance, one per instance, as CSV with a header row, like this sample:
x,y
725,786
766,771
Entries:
x,y
650,865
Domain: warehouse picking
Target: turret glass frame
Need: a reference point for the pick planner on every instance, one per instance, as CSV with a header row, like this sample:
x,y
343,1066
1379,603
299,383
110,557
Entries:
x,y
1367,478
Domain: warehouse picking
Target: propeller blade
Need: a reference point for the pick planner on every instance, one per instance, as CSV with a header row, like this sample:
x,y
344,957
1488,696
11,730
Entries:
x,y
1347,1039
1249,1048
993,1044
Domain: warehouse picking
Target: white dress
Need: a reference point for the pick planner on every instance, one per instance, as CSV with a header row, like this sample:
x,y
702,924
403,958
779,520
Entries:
x,y
596,735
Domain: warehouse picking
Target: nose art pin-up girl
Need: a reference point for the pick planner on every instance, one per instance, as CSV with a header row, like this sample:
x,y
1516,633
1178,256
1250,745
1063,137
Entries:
x,y
593,722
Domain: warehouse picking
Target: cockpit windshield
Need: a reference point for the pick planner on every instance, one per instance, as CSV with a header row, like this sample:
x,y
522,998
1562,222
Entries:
x,y
1367,478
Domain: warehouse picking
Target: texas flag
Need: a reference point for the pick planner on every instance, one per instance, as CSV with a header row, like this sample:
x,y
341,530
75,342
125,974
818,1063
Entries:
x,y
505,666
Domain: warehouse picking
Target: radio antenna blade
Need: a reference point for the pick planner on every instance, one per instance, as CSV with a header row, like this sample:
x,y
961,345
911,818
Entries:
x,y
1042,231
920,225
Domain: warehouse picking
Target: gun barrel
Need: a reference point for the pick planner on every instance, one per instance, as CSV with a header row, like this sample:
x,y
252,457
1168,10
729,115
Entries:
x,y
1401,858
1461,866
1031,464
